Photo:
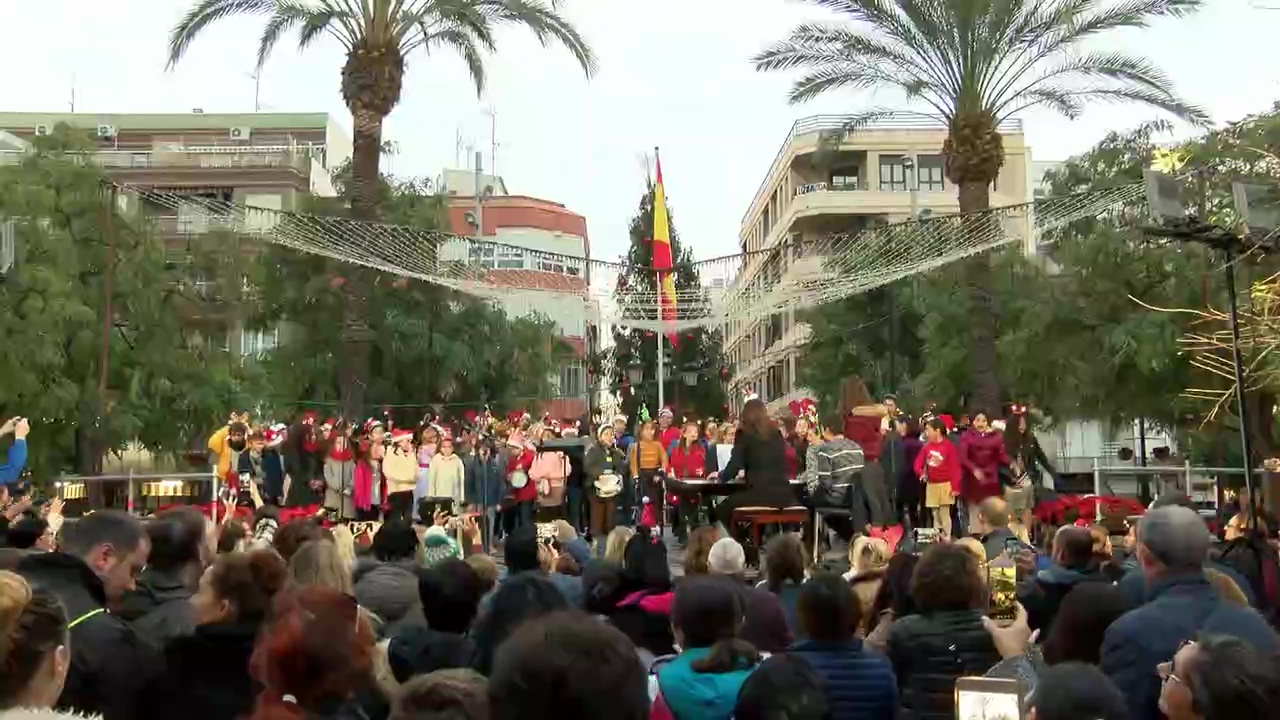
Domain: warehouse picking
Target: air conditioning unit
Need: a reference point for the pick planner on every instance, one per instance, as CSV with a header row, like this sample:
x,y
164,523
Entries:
x,y
106,131
42,130
241,133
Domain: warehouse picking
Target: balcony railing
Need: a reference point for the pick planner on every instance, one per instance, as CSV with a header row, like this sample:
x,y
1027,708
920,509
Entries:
x,y
165,159
831,187
821,123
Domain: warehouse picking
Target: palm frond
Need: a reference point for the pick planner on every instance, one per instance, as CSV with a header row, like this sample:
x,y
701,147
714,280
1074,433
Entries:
x,y
316,25
547,25
1056,96
466,45
205,14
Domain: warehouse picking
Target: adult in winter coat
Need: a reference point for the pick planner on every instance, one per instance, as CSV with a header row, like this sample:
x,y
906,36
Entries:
x,y
206,674
159,608
100,557
859,682
605,468
946,639
387,583
400,468
339,476
264,466
303,453
226,444
1073,564
981,457
1027,465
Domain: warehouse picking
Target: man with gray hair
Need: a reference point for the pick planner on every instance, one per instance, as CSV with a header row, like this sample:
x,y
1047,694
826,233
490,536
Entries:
x,y
1173,546
765,624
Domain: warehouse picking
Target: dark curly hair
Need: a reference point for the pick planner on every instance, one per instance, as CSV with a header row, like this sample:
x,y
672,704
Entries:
x,y
948,578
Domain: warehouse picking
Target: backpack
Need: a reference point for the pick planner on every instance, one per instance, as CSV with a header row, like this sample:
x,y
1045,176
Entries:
x,y
1257,562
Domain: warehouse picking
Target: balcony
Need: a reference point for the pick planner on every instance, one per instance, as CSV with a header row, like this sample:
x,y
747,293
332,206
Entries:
x,y
236,166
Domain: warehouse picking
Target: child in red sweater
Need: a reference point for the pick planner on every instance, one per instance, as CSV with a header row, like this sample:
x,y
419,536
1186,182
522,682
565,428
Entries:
x,y
938,466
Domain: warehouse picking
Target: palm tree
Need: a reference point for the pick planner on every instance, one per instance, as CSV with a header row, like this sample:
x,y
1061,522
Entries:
x,y
378,36
972,64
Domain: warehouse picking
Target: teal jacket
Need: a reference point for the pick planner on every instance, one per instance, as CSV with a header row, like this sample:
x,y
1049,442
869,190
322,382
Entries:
x,y
692,695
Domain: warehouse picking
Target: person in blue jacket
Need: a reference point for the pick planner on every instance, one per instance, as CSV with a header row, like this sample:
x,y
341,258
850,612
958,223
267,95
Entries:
x,y
11,469
485,480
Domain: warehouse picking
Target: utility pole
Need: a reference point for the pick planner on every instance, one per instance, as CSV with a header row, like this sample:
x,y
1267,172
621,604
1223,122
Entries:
x,y
479,190
493,139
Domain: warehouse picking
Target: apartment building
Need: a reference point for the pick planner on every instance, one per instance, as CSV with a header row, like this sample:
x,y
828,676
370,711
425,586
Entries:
x,y
886,172
537,263
265,160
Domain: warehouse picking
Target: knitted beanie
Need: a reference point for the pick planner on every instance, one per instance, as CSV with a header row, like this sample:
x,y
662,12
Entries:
x,y
438,546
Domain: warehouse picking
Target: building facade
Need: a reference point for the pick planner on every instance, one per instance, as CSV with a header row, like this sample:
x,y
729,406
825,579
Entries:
x,y
264,160
537,263
885,172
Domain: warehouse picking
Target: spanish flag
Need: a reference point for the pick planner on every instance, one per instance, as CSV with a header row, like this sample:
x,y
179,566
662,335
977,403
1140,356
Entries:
x,y
662,256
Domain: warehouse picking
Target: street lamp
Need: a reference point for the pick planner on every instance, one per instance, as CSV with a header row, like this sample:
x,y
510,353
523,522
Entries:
x,y
635,375
689,376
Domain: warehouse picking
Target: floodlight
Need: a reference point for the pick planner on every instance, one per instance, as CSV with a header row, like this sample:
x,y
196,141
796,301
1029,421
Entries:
x,y
1164,197
1257,205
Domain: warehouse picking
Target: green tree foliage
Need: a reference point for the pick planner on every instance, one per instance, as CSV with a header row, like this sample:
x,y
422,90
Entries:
x,y
697,350
431,346
163,386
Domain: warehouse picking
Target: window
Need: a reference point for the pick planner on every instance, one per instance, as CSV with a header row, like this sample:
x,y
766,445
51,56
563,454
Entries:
x,y
845,178
509,258
893,177
482,255
258,342
550,266
573,380
930,175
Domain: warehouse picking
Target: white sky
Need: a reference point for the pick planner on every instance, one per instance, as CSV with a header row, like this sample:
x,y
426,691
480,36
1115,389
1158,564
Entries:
x,y
673,73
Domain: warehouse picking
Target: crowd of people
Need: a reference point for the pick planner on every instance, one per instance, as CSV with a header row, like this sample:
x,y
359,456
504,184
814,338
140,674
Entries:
x,y
377,598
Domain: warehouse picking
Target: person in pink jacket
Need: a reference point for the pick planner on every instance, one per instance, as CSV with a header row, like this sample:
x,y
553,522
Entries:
x,y
550,468
982,455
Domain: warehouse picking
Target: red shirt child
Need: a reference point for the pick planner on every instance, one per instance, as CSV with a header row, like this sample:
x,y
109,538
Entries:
x,y
688,461
939,462
521,458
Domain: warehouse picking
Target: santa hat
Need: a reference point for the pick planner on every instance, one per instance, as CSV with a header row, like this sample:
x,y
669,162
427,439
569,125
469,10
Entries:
x,y
328,424
372,423
445,434
621,417
309,417
947,421
666,412
569,432
748,395
273,436
470,417
516,439
400,436
600,430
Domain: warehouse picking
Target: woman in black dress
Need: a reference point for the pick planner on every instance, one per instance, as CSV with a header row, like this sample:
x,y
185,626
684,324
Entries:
x,y
759,452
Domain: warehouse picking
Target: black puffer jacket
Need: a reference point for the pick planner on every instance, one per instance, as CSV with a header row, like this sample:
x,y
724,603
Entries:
x,y
159,608
110,663
929,652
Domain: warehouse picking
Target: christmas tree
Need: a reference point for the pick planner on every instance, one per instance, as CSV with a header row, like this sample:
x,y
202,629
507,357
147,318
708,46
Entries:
x,y
695,370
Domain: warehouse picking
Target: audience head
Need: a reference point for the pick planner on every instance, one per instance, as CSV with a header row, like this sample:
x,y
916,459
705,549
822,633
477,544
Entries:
x,y
239,588
974,546
568,666
1172,539
947,578
294,535
727,557
1073,547
784,687
179,542
113,544
395,541
708,612
29,532
33,645
868,553
231,536
453,694
1076,691
993,514
1220,678
828,609
784,560
517,600
615,545
315,654
644,562
1082,620
1101,541
450,593
486,571
318,562
894,594
566,565
521,550
701,540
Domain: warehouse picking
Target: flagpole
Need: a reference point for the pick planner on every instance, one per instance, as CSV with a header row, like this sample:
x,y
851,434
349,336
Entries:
x,y
661,393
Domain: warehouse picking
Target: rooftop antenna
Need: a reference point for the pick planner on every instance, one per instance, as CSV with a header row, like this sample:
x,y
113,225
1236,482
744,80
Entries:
x,y
457,147
73,92
492,112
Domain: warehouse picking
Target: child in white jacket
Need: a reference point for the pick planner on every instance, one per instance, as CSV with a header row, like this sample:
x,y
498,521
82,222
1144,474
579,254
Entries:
x,y
446,479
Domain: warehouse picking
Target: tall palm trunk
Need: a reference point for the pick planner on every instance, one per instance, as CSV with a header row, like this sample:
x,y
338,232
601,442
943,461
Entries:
x,y
371,82
974,153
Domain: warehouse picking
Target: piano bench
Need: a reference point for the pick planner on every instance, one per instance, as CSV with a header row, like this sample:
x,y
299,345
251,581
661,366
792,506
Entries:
x,y
758,517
